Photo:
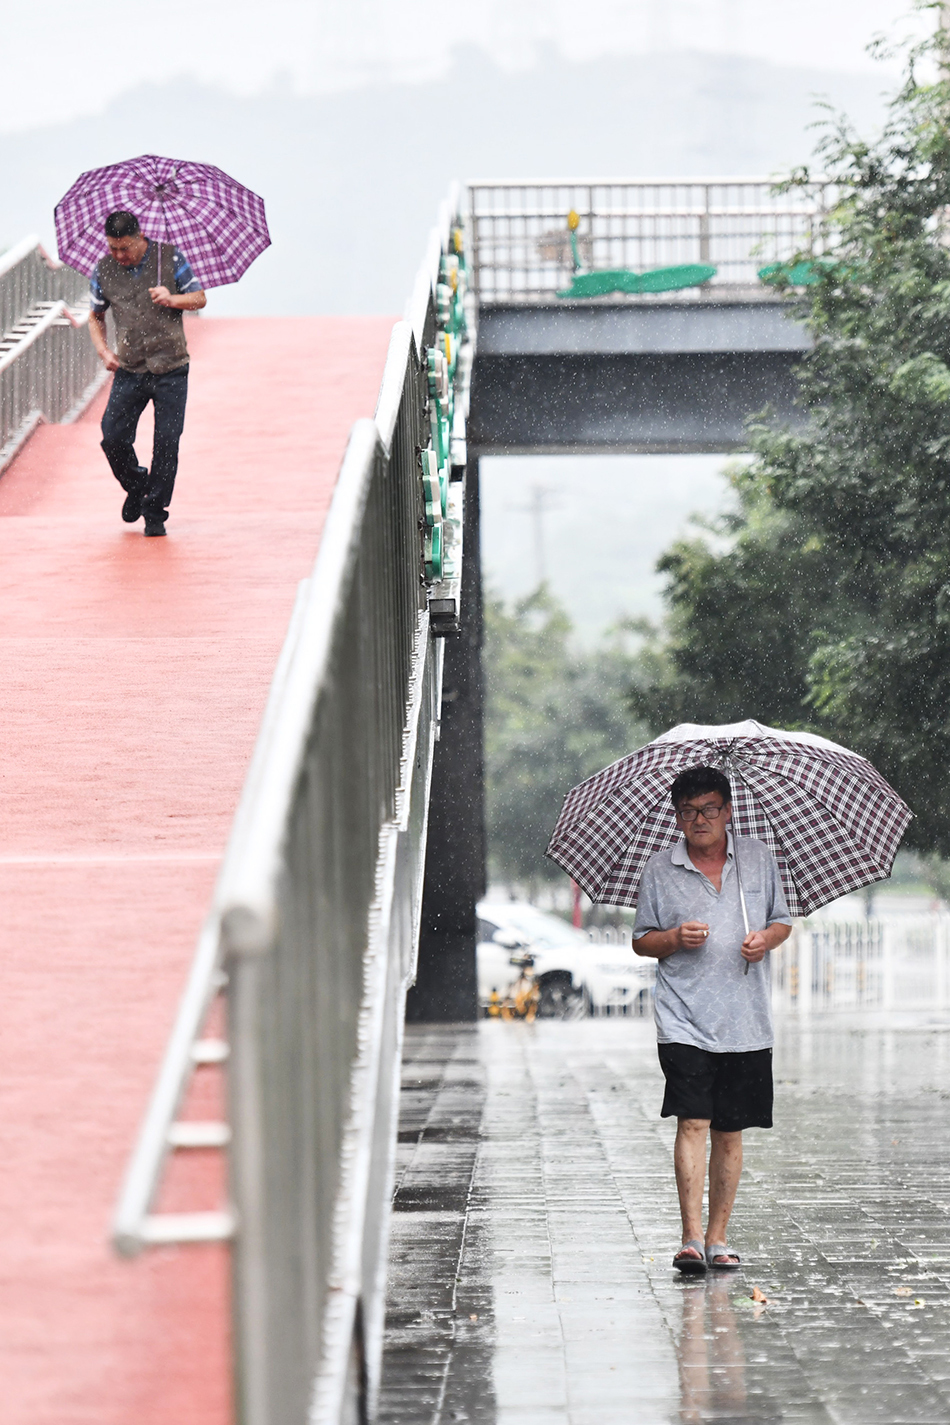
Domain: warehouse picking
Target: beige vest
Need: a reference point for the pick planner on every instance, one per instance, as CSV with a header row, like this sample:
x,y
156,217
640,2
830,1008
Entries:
x,y
147,338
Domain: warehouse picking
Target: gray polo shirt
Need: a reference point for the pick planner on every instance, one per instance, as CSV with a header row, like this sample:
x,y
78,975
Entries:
x,y
702,996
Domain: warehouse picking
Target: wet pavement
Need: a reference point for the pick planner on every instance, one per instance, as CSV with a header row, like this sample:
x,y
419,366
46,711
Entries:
x,y
536,1218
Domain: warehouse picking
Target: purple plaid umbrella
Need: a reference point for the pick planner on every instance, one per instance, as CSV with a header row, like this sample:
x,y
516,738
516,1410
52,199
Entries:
x,y
218,224
831,821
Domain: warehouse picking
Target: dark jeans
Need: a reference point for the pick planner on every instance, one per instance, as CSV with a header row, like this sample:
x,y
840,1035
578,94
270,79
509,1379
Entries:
x,y
131,393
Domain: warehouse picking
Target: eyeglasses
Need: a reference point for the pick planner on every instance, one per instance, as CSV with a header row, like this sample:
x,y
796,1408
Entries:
x,y
709,813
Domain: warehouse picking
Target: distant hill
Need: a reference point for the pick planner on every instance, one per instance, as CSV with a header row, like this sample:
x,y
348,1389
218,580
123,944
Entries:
x,y
352,180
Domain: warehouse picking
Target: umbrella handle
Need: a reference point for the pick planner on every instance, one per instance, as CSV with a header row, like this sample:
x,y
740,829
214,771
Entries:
x,y
745,913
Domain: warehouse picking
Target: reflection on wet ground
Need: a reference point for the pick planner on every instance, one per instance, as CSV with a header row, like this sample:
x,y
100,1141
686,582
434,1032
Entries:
x,y
536,1219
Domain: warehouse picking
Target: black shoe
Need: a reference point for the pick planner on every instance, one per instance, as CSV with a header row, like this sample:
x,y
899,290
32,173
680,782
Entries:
x,y
132,509
154,527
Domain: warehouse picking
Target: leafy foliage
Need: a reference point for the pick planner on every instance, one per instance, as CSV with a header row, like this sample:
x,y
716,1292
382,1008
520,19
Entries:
x,y
830,607
737,641
553,716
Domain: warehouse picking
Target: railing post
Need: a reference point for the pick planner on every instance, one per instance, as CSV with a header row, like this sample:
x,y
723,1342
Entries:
x,y
249,1281
888,988
704,242
805,941
941,948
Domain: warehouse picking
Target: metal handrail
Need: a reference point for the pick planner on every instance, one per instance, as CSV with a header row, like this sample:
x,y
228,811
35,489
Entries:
x,y
320,887
245,927
39,320
250,875
886,962
28,274
49,370
14,255
720,180
522,251
134,1225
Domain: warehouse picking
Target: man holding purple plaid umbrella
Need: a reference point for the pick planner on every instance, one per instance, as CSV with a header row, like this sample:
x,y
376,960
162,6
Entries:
x,y
150,361
149,284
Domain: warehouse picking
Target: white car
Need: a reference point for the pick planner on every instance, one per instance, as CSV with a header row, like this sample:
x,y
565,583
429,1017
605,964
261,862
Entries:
x,y
575,976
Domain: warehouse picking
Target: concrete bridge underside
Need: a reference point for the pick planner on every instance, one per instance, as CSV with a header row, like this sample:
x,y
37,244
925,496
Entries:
x,y
668,377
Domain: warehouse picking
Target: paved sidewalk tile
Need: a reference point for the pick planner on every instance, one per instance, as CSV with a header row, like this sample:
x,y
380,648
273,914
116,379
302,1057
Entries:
x,y
535,1221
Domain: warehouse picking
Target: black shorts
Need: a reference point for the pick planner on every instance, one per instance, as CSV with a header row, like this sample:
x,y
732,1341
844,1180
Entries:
x,y
733,1091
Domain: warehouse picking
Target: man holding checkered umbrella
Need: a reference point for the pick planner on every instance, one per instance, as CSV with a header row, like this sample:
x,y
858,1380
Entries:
x,y
719,835
149,283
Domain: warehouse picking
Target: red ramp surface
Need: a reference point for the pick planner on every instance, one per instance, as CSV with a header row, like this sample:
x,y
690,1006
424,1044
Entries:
x,y
134,675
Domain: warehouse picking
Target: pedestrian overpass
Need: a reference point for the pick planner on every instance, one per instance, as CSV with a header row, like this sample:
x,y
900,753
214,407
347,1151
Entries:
x,y
677,372
254,1206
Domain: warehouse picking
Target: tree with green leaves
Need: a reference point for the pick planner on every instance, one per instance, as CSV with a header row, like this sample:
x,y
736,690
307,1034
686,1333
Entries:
x,y
829,607
553,715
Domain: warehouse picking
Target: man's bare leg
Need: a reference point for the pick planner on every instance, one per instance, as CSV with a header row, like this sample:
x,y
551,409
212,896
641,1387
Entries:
x,y
689,1163
725,1170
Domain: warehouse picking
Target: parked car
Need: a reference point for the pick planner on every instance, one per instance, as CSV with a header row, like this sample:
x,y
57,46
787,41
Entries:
x,y
575,977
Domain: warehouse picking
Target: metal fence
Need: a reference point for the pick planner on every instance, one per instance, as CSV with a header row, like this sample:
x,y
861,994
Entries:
x,y
49,369
314,925
609,934
522,252
888,964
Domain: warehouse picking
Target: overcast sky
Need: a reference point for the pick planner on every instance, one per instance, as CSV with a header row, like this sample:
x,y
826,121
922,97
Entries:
x,y
64,59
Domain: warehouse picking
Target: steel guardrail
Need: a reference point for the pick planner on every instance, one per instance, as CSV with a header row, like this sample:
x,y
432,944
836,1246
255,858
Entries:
x,y
888,962
312,934
49,369
521,248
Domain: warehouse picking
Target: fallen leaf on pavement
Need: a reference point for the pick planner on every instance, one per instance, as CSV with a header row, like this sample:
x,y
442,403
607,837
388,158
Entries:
x,y
759,1296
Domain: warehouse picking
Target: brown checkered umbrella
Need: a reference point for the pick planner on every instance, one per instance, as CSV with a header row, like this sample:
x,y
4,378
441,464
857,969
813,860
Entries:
x,y
829,818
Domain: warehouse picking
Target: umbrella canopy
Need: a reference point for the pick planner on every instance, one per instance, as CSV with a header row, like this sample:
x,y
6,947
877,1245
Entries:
x,y
217,223
829,818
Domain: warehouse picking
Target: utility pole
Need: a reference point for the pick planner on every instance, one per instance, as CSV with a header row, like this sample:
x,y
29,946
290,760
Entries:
x,y
543,499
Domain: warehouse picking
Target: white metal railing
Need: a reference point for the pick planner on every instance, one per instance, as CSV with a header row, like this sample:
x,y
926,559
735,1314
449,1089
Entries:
x,y
898,962
521,249
888,964
609,934
313,930
49,369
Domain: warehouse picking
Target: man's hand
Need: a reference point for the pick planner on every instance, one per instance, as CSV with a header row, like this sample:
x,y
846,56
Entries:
x,y
757,942
657,944
754,946
97,333
179,301
691,934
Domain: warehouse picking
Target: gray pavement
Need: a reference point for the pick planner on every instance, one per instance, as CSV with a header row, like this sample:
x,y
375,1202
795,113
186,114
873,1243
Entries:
x,y
536,1218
